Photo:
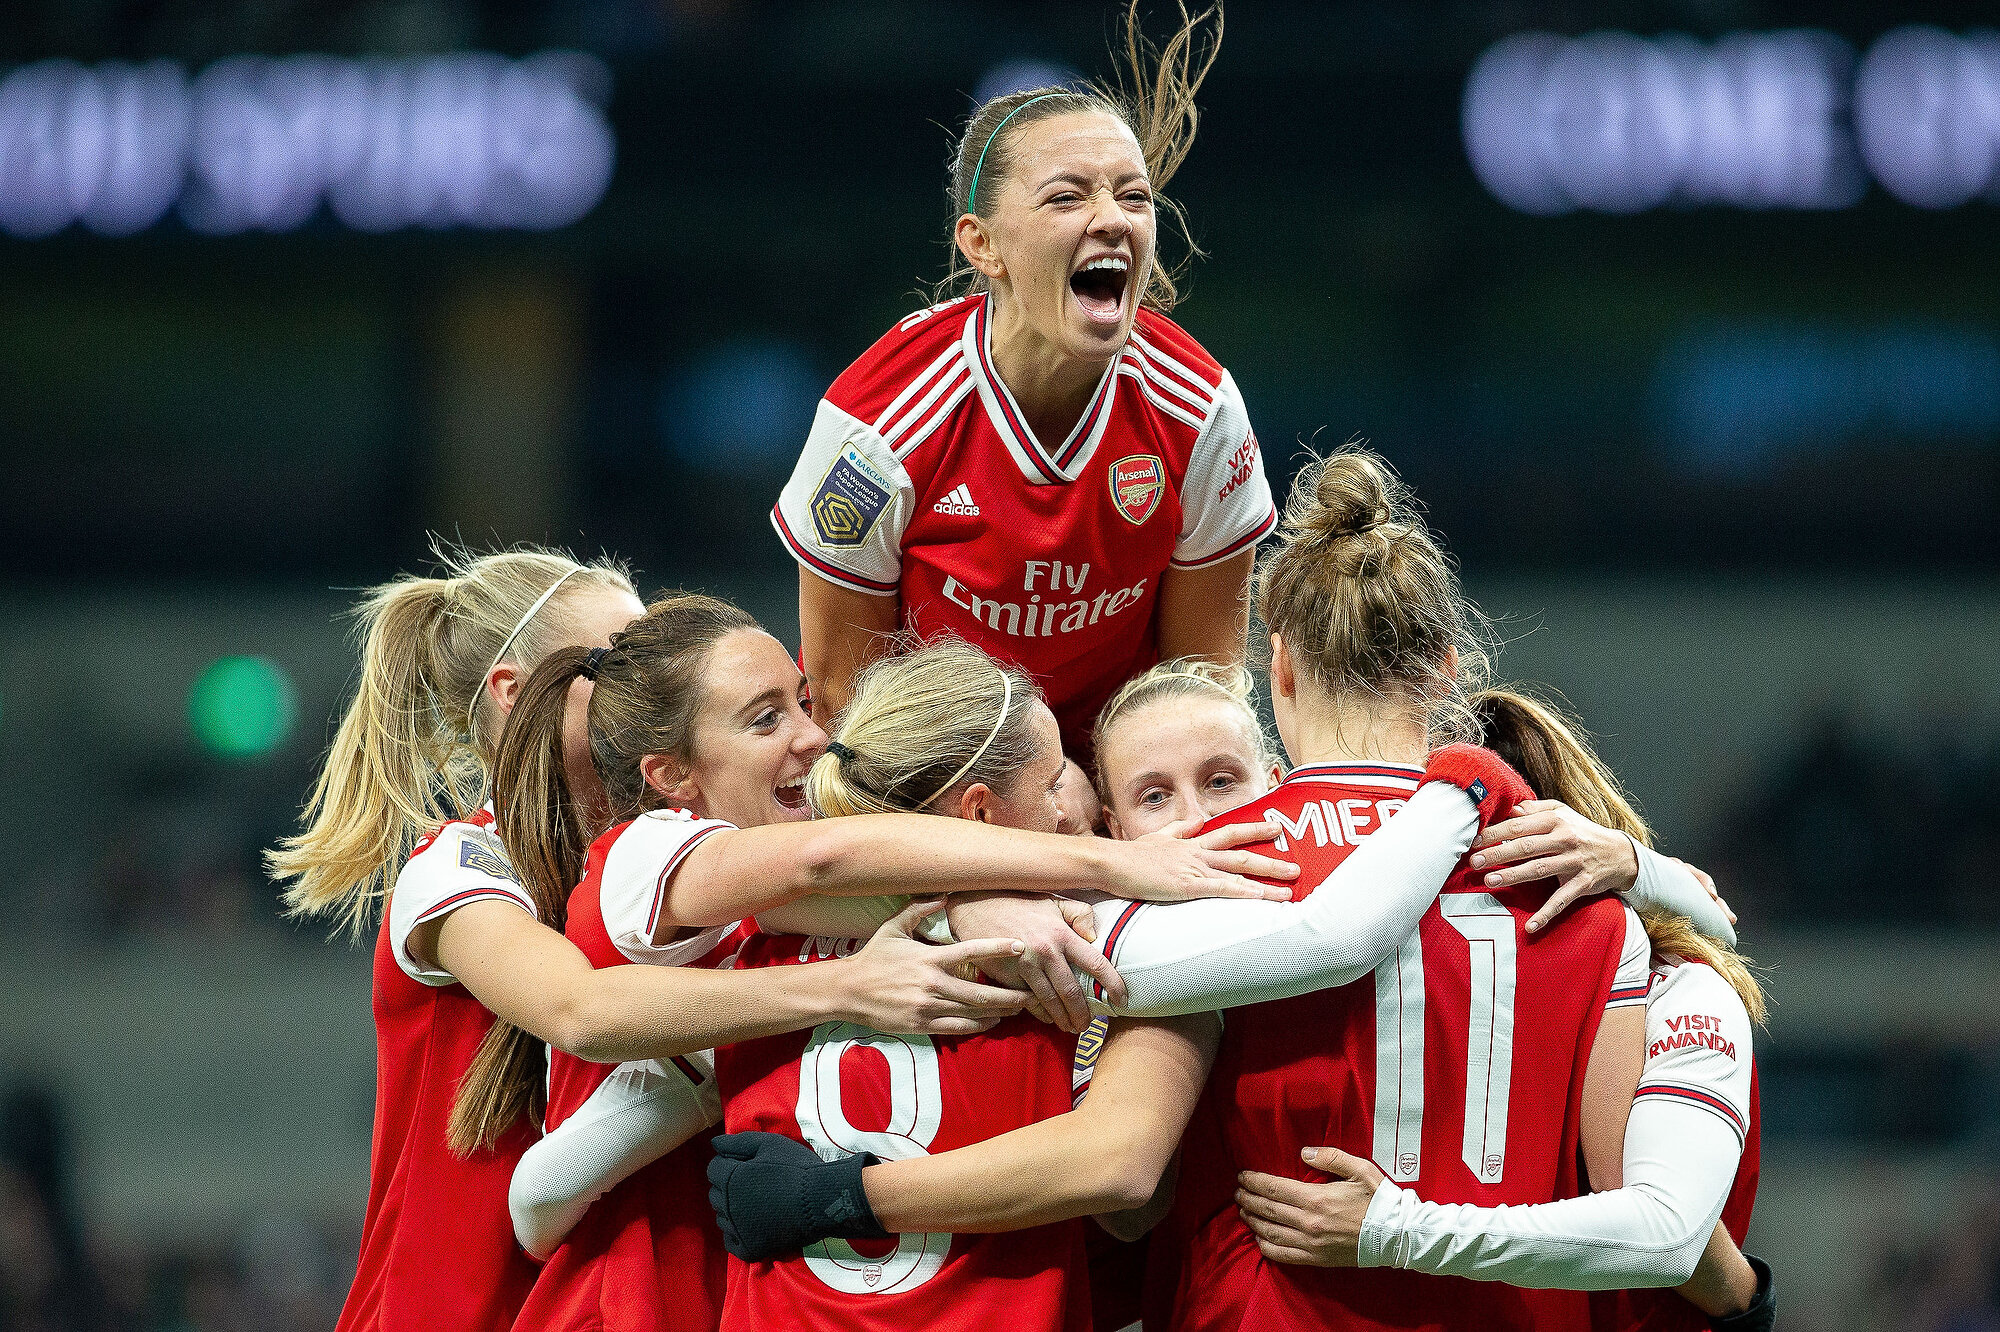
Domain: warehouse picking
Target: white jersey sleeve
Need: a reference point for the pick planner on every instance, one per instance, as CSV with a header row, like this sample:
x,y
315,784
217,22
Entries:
x,y
1225,498
1194,957
1635,965
637,1115
458,864
843,513
1682,1147
633,890
1666,884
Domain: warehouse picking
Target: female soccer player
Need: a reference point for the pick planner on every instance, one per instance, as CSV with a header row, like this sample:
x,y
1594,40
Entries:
x,y
441,662
698,734
1690,1149
1108,1154
1045,465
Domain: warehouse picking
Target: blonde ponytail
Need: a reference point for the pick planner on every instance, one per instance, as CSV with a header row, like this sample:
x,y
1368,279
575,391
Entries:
x,y
922,724
413,746
1551,751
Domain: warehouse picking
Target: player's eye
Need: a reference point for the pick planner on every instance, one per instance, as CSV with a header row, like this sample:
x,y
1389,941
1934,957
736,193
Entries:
x,y
1222,781
766,720
1152,797
1138,198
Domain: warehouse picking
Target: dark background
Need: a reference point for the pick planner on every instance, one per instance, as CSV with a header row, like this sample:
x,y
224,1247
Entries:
x,y
1731,479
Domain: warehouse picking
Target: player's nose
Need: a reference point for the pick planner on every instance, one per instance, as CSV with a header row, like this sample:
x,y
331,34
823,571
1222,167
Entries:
x,y
1107,219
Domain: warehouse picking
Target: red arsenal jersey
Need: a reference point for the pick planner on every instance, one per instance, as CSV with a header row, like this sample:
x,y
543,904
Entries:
x,y
841,1089
647,1256
921,480
437,1247
1457,1067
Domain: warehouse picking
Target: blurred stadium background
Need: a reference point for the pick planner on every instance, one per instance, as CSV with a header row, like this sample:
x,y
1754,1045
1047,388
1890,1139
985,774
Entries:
x,y
1691,342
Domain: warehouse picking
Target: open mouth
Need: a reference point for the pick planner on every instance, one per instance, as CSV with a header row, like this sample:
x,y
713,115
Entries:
x,y
791,794
1099,287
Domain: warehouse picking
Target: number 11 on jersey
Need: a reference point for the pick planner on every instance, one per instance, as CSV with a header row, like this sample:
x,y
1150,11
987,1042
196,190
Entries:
x,y
1488,930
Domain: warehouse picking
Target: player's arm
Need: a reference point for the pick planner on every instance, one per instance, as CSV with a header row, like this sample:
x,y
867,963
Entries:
x,y
731,873
1617,1059
1201,956
841,516
638,1114
1724,1284
772,1195
1682,1147
840,631
1546,839
1206,612
529,975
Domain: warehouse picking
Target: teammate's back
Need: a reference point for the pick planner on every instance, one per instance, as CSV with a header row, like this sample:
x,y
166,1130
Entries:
x,y
1457,1067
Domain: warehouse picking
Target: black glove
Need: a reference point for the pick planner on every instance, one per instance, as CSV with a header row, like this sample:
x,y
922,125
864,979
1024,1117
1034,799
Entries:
x,y
1763,1310
773,1196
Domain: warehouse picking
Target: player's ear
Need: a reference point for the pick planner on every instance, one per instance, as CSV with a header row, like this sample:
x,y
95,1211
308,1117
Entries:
x,y
671,778
976,802
1283,681
1451,662
503,685
1112,826
976,244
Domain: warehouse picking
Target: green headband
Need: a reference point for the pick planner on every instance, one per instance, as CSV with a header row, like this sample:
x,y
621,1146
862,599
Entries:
x,y
972,195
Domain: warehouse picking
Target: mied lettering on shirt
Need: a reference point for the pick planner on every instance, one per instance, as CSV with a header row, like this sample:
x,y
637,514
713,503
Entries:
x,y
1331,822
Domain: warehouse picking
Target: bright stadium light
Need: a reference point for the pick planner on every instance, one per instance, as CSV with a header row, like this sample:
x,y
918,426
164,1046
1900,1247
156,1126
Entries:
x,y
1927,112
1619,124
461,140
242,707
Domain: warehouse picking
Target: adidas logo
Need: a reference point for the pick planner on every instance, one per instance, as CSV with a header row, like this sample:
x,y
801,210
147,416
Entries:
x,y
959,502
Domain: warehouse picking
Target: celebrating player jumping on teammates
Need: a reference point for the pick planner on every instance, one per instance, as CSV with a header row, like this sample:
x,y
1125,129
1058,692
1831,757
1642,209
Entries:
x,y
1045,465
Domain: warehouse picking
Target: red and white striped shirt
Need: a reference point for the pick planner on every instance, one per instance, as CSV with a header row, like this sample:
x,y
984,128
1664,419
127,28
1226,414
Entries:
x,y
922,480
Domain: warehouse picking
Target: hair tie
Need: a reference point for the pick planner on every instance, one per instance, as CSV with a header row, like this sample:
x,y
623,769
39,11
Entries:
x,y
1006,698
507,642
972,194
841,753
592,660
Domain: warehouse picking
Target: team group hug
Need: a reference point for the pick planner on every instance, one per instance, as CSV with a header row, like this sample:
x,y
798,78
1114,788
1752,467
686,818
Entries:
x,y
983,963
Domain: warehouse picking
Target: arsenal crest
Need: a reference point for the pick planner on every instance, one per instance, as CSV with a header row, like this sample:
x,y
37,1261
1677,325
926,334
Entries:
x,y
1137,483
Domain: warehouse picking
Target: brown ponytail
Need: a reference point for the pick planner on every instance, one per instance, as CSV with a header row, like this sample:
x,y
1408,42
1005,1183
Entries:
x,y
1552,752
648,689
1154,95
1366,600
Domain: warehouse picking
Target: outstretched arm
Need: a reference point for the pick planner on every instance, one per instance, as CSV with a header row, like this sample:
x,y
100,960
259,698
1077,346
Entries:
x,y
773,1196
1201,956
536,979
1546,839
738,872
1107,1155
